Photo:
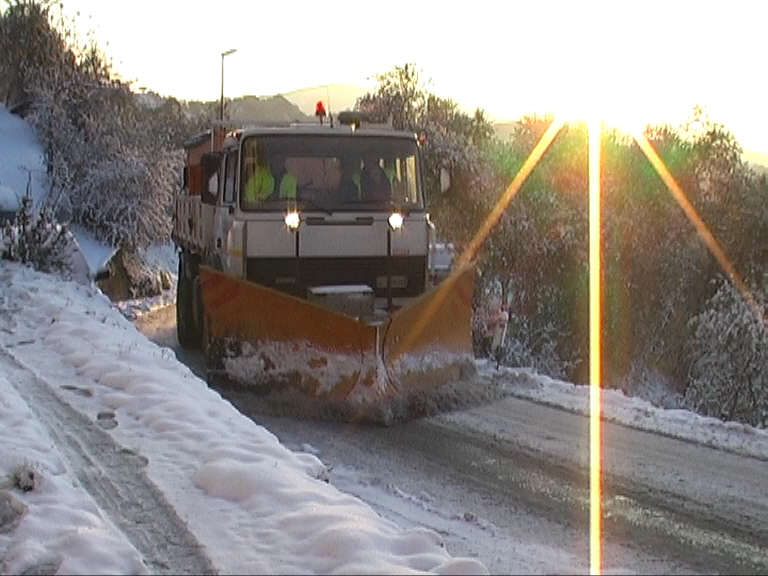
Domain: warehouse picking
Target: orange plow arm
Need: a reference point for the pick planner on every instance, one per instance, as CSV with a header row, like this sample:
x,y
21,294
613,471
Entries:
x,y
263,337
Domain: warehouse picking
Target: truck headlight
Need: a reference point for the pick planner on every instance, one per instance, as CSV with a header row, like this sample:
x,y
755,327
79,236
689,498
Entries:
x,y
395,221
292,220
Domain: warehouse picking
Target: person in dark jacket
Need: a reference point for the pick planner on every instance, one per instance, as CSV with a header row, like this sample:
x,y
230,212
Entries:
x,y
374,182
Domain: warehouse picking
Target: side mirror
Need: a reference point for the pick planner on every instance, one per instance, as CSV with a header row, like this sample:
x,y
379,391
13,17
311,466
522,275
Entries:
x,y
212,190
445,179
211,162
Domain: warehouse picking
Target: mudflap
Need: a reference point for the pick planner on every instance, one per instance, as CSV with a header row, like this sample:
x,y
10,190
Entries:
x,y
280,344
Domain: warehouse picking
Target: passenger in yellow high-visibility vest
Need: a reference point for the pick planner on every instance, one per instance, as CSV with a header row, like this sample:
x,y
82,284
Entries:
x,y
266,179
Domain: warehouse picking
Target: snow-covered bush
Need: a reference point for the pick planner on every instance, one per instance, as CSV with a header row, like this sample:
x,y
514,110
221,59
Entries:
x,y
534,346
35,238
729,372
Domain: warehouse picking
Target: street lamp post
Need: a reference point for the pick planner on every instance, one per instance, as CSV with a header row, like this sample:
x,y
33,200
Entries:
x,y
227,53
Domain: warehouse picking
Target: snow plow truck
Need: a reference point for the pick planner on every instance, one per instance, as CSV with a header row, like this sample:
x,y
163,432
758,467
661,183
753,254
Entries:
x,y
293,276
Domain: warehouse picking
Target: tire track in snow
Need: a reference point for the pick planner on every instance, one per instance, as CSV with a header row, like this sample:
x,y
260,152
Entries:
x,y
113,476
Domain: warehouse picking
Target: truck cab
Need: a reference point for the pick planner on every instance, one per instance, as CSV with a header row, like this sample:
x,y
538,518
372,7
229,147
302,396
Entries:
x,y
344,207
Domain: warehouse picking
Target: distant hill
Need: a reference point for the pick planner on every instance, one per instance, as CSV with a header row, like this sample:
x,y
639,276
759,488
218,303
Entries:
x,y
296,106
757,161
257,109
337,97
265,109
756,158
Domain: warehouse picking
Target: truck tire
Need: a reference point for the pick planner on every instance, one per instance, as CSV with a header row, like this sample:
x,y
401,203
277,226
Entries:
x,y
186,329
213,352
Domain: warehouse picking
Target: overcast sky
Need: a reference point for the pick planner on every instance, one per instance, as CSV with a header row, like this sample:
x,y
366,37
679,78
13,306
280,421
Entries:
x,y
637,62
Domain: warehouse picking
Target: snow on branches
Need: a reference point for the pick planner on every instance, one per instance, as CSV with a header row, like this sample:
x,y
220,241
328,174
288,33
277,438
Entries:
x,y
729,372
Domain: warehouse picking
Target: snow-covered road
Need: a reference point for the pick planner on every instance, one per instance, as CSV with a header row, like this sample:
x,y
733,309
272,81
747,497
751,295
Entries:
x,y
505,482
508,482
116,459
113,476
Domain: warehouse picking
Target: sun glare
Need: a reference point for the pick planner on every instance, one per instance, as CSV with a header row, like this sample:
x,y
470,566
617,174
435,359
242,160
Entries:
x,y
608,116
601,87
597,118
608,105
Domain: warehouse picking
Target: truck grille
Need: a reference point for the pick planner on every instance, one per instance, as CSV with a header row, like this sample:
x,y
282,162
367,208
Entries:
x,y
294,276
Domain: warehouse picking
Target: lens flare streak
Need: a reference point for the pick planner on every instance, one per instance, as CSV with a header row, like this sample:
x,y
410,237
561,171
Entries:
x,y
495,215
595,496
701,228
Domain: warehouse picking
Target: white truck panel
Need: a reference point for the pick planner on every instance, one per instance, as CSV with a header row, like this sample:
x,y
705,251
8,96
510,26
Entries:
x,y
411,240
235,254
343,238
269,238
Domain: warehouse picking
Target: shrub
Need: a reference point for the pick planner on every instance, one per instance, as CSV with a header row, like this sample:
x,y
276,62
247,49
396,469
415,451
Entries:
x,y
35,238
729,371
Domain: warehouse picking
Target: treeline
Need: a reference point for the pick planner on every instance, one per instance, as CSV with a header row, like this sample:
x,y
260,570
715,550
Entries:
x,y
112,157
670,312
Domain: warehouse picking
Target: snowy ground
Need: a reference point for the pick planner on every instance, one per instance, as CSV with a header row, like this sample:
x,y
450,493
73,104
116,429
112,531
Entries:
x,y
639,413
86,399
117,459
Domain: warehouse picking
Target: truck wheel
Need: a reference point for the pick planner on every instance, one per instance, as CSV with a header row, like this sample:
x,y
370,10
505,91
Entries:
x,y
212,350
185,321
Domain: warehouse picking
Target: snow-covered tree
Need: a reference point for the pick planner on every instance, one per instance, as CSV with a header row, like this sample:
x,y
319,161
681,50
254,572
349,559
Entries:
x,y
729,372
654,263
658,271
113,161
453,141
539,249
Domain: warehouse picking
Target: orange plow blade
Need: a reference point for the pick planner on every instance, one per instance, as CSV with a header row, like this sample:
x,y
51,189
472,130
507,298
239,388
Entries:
x,y
429,342
265,338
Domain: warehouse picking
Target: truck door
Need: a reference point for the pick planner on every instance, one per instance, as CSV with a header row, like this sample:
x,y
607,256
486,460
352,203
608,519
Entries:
x,y
228,249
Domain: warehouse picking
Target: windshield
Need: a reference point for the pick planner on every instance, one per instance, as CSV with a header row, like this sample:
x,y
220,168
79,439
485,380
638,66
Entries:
x,y
330,173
